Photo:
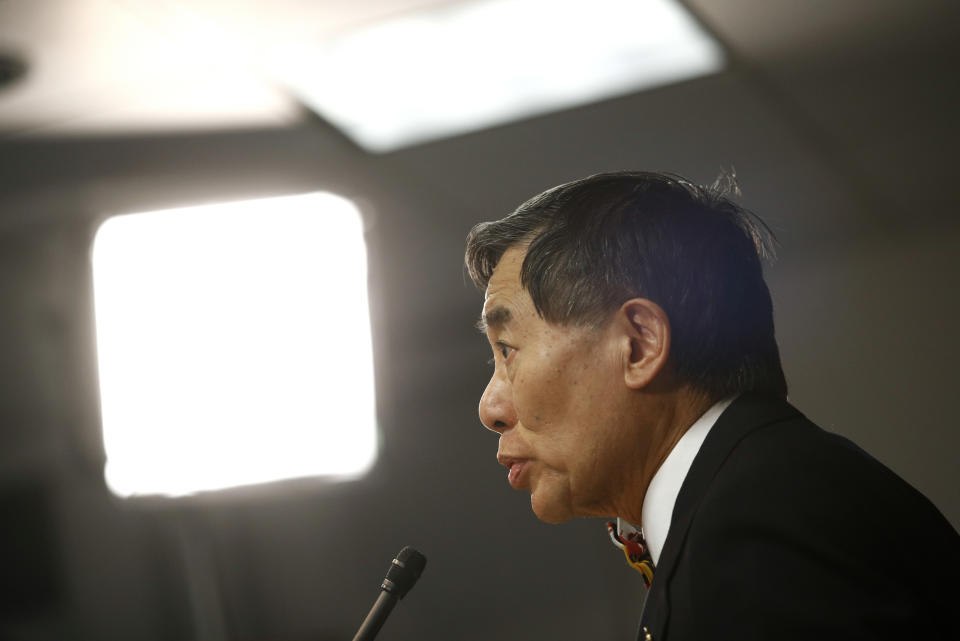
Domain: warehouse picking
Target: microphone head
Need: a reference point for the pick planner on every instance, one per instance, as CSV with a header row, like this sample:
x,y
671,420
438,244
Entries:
x,y
404,572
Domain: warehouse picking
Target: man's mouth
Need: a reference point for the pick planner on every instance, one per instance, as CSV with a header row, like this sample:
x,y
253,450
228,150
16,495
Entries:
x,y
517,469
516,473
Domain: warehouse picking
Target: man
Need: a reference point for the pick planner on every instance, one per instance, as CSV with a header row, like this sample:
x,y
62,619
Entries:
x,y
636,375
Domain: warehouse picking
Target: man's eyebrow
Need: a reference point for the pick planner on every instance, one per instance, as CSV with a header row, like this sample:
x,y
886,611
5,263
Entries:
x,y
495,319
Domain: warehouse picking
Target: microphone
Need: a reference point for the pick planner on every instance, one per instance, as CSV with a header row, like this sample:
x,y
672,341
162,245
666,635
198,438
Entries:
x,y
403,573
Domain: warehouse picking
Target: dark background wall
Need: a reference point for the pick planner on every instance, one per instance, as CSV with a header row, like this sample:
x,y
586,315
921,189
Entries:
x,y
840,121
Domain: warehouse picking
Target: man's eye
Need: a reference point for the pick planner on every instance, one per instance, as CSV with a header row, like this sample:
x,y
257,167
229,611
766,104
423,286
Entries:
x,y
503,350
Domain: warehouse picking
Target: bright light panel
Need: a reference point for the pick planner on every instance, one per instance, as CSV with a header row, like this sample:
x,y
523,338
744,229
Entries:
x,y
469,65
234,345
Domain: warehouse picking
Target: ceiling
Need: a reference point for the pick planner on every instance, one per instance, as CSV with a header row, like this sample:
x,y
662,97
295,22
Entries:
x,y
100,66
859,87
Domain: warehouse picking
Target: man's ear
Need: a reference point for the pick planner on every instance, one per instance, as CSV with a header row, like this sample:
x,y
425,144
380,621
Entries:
x,y
648,329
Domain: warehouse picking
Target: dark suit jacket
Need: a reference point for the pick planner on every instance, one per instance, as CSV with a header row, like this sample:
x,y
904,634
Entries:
x,y
784,531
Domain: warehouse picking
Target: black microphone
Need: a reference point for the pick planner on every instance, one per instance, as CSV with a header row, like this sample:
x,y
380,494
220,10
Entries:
x,y
403,573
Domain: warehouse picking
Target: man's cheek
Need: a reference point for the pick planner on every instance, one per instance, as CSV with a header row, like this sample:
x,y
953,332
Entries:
x,y
550,454
530,410
539,409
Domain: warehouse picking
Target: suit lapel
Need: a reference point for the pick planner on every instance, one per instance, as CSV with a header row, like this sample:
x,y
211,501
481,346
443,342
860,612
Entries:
x,y
746,414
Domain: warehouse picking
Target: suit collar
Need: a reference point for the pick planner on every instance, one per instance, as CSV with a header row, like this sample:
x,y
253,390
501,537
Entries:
x,y
662,492
745,415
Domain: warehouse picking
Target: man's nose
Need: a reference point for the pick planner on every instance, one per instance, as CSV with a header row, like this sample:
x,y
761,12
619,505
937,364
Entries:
x,y
496,405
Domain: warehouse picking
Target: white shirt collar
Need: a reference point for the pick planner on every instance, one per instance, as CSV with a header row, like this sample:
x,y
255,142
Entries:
x,y
662,492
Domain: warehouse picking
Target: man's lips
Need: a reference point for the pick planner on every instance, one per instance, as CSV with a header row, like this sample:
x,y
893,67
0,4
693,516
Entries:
x,y
516,475
517,470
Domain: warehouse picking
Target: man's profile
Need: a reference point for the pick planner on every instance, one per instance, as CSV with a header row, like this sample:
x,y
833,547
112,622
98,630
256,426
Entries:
x,y
637,376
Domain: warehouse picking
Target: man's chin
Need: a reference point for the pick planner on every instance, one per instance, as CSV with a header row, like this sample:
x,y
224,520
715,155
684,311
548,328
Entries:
x,y
549,511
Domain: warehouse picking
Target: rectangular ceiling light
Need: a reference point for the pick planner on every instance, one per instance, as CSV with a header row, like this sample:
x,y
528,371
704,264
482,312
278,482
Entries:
x,y
469,65
234,345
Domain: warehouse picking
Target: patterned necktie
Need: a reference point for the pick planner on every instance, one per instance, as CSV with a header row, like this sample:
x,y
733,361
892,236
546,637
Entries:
x,y
630,540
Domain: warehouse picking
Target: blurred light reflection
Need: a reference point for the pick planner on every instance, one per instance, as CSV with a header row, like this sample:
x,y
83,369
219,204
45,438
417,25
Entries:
x,y
234,345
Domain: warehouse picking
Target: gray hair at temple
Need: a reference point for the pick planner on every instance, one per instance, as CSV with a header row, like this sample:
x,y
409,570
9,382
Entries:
x,y
594,243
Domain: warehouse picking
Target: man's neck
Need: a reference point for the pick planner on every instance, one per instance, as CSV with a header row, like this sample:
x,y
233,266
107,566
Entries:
x,y
668,417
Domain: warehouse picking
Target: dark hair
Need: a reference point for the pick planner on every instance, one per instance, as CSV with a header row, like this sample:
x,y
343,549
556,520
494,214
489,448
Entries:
x,y
597,242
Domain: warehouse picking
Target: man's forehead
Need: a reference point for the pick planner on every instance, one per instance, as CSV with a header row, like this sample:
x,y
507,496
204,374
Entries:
x,y
504,290
499,303
505,279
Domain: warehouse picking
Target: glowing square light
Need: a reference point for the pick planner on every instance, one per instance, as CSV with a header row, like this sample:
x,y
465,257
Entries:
x,y
234,345
468,65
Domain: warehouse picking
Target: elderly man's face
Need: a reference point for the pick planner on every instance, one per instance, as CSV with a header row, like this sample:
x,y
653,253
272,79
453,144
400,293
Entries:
x,y
558,400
